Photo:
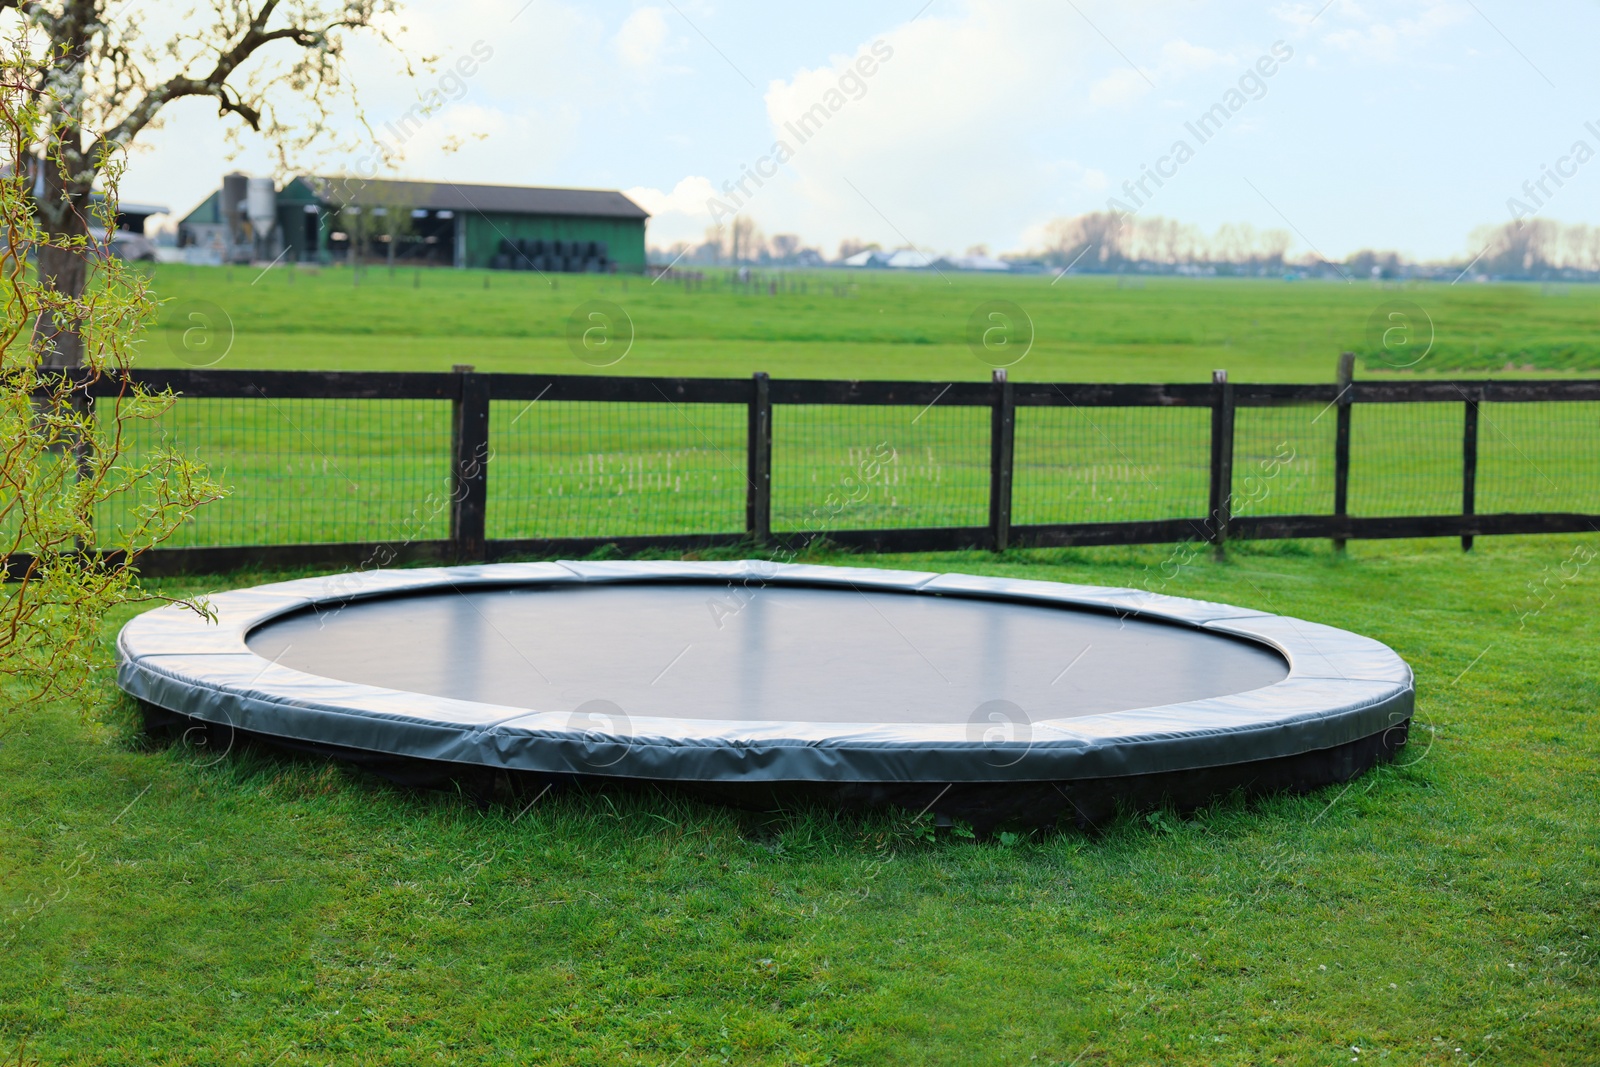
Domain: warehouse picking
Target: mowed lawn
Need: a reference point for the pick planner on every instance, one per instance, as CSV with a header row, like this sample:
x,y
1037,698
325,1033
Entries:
x,y
867,324
183,906
174,905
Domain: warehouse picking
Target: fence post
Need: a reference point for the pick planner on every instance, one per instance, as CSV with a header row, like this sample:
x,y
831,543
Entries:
x,y
1002,441
1221,459
469,464
758,451
1341,443
1469,467
83,456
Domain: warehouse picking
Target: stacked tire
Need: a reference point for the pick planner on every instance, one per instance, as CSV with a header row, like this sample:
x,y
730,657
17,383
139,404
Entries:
x,y
553,256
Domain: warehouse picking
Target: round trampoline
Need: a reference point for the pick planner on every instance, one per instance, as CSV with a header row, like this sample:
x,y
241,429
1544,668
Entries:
x,y
988,699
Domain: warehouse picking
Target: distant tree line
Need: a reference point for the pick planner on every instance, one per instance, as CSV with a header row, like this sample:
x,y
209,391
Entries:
x,y
1538,248
1108,242
1105,242
740,241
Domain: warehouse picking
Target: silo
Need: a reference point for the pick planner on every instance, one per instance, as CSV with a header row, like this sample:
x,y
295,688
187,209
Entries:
x,y
235,192
261,206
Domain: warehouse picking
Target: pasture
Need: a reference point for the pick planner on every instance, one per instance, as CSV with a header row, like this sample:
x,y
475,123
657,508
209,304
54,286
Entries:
x,y
169,904
310,470
872,324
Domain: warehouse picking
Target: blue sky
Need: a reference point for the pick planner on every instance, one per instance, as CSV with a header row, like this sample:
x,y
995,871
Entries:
x,y
1402,125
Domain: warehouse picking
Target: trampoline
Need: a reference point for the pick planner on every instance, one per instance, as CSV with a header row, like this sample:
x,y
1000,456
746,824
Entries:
x,y
987,699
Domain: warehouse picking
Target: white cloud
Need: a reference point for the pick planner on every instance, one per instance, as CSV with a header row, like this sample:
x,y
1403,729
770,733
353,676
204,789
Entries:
x,y
943,121
1178,60
642,40
1352,29
960,122
1119,87
688,198
965,134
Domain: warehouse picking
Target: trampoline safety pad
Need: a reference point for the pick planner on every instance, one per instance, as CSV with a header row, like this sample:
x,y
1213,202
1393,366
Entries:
x,y
734,673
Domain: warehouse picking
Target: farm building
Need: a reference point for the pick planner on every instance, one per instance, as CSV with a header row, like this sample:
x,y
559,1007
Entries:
x,y
316,219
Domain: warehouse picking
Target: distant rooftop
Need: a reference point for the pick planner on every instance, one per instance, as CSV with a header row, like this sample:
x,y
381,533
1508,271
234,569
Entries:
x,y
458,196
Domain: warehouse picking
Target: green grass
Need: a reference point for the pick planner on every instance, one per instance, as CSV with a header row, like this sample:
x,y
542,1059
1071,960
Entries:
x,y
320,470
167,906
177,906
340,471
845,324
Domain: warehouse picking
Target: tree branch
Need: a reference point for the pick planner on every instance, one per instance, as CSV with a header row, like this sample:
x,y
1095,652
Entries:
x,y
214,84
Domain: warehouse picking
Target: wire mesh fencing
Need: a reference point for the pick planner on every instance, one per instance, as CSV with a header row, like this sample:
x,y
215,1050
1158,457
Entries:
x,y
1110,464
337,459
1539,457
859,466
301,471
589,469
1283,460
1406,459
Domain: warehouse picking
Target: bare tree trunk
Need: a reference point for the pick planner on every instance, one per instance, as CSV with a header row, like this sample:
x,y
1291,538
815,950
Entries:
x,y
64,211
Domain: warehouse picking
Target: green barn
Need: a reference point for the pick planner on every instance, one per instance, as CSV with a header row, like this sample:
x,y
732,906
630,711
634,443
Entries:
x,y
318,219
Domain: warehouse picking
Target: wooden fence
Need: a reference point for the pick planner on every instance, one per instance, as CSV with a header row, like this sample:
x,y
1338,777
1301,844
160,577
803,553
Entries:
x,y
470,395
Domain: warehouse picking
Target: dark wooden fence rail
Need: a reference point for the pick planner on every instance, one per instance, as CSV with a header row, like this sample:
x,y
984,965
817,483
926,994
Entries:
x,y
471,394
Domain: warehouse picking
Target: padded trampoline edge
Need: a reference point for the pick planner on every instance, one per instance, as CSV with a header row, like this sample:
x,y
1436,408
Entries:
x,y
699,760
1366,691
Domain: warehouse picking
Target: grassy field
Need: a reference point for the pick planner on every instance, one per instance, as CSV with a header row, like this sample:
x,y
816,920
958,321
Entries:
x,y
169,906
845,324
173,905
320,470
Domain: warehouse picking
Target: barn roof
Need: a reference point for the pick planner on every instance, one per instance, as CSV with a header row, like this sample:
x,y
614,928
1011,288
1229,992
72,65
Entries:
x,y
459,196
